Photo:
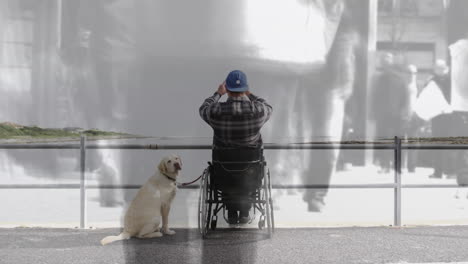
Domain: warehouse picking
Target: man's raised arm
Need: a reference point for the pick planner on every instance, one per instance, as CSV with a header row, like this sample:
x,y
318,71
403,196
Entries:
x,y
210,105
261,106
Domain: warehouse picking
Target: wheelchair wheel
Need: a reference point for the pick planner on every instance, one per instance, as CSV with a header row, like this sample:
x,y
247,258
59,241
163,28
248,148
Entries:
x,y
203,206
271,202
268,205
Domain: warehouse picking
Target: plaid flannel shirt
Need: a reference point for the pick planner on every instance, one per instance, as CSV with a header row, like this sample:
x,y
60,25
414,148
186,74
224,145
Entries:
x,y
236,122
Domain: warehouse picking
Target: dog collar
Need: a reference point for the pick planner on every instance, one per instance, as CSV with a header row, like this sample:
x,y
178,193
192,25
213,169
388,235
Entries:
x,y
170,178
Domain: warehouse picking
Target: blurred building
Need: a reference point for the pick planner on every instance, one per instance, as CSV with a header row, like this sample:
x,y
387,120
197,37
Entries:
x,y
414,30
29,36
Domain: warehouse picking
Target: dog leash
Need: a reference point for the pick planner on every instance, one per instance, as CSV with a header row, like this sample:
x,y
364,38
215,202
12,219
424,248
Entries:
x,y
188,183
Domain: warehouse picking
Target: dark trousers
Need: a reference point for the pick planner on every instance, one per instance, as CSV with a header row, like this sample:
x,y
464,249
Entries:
x,y
237,181
413,131
448,125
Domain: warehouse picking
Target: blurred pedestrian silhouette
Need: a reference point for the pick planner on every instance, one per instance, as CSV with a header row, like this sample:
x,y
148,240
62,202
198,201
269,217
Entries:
x,y
415,123
441,124
390,105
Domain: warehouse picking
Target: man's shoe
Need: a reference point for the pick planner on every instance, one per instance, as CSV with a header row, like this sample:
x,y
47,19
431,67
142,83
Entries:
x,y
315,199
244,220
451,176
244,217
315,205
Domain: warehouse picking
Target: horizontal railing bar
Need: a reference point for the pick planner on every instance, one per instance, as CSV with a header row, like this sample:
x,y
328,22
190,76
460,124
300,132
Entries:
x,y
39,146
334,186
434,147
274,186
330,146
408,186
189,147
148,146
41,186
266,146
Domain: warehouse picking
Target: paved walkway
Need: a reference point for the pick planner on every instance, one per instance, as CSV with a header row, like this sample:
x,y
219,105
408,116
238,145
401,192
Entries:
x,y
312,245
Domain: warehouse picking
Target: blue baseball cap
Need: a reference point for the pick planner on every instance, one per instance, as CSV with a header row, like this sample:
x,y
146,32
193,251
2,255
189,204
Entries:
x,y
236,81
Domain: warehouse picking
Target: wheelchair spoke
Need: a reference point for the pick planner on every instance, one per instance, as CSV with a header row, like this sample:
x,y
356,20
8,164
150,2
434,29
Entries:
x,y
202,204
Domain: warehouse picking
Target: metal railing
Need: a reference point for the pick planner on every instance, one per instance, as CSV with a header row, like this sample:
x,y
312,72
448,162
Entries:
x,y
396,146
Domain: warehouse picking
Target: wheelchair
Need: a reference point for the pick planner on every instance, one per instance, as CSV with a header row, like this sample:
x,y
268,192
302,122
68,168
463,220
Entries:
x,y
231,172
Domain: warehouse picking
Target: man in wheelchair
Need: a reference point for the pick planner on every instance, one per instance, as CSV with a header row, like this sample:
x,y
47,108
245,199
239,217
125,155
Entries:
x,y
236,125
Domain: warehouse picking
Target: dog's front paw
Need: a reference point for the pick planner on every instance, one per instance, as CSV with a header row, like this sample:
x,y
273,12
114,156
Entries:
x,y
155,234
169,232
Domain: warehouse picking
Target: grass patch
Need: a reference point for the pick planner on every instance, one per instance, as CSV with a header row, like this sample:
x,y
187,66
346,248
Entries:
x,y
8,131
95,133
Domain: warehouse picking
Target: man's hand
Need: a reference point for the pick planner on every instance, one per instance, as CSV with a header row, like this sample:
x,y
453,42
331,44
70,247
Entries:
x,y
222,89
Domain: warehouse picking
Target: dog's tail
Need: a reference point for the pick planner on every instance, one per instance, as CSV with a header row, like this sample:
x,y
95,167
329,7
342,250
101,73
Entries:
x,y
110,239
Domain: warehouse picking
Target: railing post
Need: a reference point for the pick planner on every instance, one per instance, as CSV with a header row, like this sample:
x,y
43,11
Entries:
x,y
397,169
82,181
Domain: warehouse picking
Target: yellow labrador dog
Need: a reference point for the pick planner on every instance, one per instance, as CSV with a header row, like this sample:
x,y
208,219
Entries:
x,y
152,202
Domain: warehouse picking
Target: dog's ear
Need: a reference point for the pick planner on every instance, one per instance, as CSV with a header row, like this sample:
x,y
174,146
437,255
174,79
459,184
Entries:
x,y
162,166
180,160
